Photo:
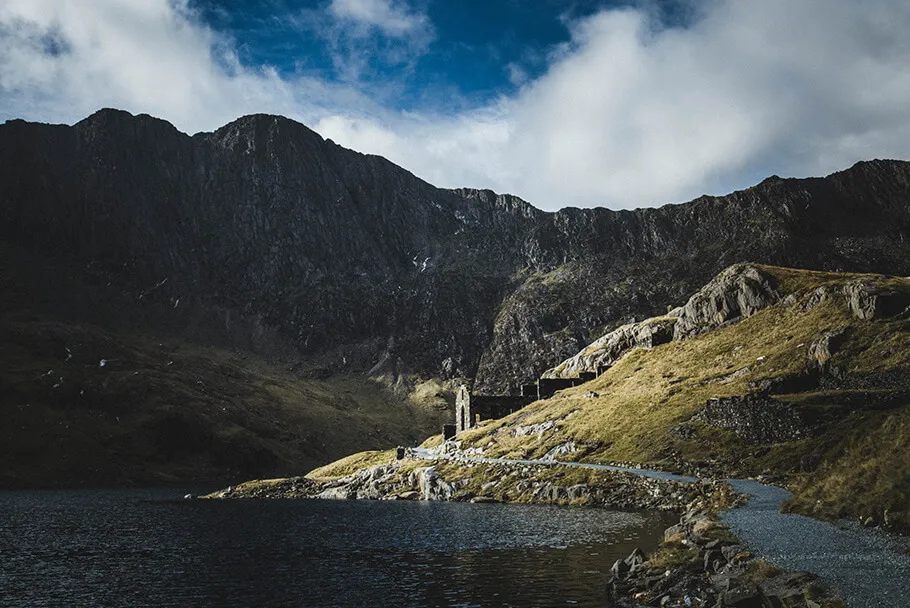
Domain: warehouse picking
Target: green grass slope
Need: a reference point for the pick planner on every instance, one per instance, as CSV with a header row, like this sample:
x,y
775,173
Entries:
x,y
849,453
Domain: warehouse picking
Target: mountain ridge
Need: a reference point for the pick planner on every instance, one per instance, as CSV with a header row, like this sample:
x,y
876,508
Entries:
x,y
355,261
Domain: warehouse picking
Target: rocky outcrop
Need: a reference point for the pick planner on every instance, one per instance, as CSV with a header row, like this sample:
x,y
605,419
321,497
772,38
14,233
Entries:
x,y
866,300
263,235
455,476
365,484
700,563
826,346
738,292
869,302
604,352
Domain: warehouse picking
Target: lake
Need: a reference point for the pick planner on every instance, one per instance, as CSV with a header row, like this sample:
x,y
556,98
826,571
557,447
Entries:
x,y
151,548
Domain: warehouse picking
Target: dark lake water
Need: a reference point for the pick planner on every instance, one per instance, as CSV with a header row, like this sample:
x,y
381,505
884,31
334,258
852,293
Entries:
x,y
149,548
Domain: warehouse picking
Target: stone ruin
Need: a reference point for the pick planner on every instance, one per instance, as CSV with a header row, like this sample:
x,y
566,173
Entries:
x,y
472,409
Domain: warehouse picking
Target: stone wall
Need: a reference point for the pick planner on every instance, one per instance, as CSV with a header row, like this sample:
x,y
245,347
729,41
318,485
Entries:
x,y
471,409
756,418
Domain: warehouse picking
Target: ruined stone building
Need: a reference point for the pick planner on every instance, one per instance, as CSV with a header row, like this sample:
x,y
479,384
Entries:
x,y
472,409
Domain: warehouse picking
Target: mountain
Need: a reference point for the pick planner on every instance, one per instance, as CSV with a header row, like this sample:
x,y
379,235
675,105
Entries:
x,y
797,374
289,256
265,235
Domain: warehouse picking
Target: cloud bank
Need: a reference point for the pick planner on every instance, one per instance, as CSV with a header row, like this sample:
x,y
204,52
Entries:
x,y
629,113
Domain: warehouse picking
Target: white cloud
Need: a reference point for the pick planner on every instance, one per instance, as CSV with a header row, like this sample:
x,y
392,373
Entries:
x,y
517,74
630,115
149,56
627,113
394,19
364,38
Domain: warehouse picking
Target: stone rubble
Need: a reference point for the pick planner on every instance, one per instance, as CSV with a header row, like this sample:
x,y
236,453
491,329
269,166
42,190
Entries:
x,y
503,482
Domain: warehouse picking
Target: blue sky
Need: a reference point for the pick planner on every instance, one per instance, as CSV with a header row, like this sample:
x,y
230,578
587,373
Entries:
x,y
585,103
469,53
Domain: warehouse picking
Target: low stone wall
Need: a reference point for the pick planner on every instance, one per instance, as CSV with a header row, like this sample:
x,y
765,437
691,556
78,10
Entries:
x,y
469,409
755,418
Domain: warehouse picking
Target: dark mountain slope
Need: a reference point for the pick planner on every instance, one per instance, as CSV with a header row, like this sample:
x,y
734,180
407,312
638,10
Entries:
x,y
282,240
630,264
88,400
335,250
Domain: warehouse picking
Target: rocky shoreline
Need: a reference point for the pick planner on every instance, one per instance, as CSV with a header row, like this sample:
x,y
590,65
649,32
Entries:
x,y
701,563
463,481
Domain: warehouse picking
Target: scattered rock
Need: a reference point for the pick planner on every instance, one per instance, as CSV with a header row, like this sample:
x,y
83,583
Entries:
x,y
338,493
483,500
719,574
560,450
533,429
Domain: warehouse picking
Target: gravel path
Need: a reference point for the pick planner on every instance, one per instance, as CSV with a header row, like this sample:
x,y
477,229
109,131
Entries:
x,y
868,569
429,455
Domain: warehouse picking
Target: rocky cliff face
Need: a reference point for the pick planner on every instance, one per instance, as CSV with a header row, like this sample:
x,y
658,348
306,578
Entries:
x,y
738,292
264,234
607,350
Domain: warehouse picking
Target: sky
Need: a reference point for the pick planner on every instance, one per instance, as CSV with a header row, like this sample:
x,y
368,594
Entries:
x,y
583,103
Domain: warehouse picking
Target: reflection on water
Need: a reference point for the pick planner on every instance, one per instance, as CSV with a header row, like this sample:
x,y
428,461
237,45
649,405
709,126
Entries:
x,y
144,548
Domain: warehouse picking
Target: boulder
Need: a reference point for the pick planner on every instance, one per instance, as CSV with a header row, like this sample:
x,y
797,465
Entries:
x,y
869,302
560,450
636,558
620,569
713,561
343,492
738,292
825,346
578,491
483,500
788,590
608,349
674,530
433,487
742,596
732,552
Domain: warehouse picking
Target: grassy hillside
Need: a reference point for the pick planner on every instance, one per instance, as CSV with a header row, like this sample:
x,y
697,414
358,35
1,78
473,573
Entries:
x,y
834,425
162,407
81,405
